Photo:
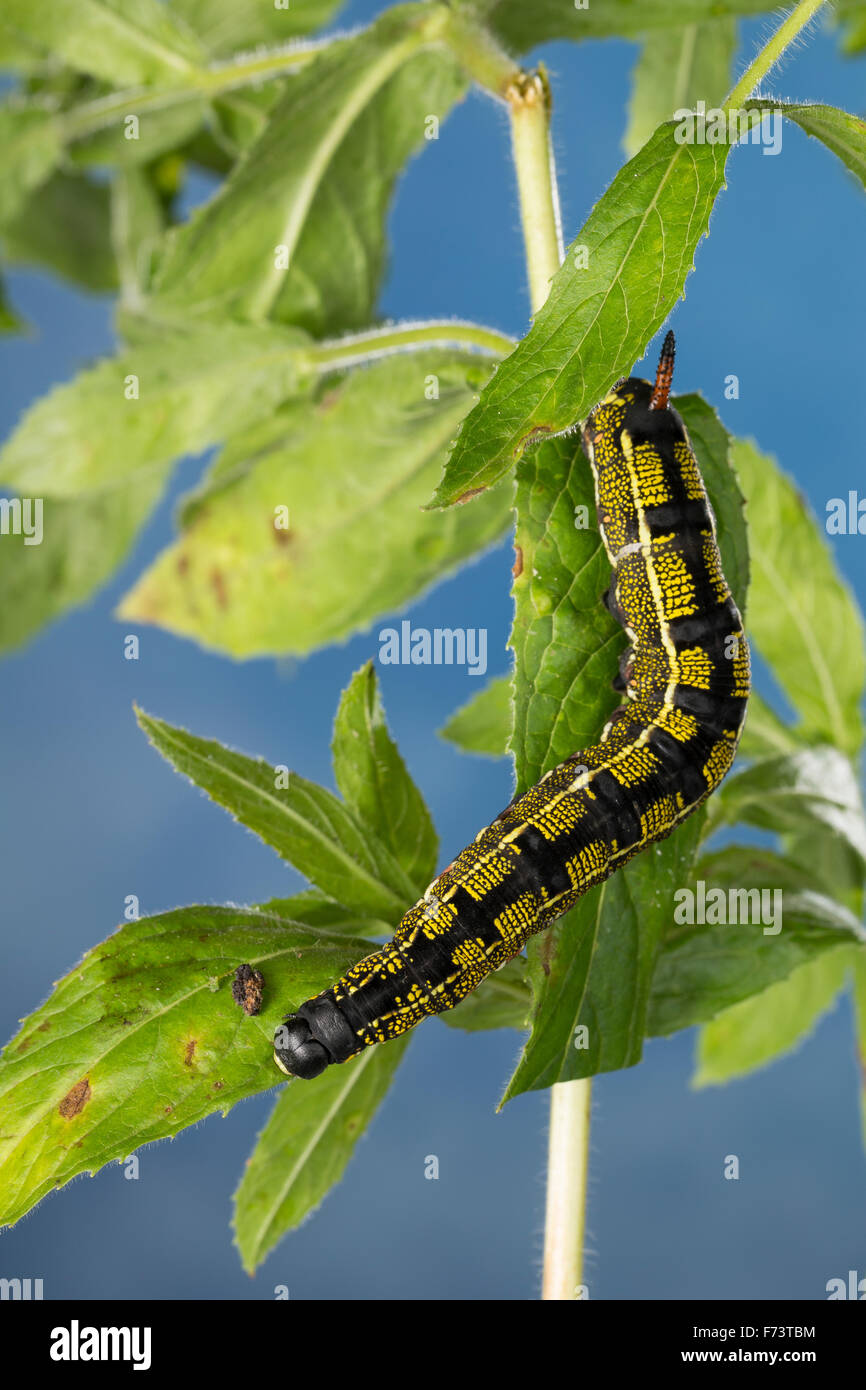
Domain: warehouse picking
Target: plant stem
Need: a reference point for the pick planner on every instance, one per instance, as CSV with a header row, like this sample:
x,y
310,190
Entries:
x,y
380,342
529,104
479,54
567,1168
772,51
92,116
528,99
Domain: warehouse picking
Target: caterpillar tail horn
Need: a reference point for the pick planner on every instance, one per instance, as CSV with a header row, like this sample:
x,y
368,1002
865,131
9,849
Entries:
x,y
665,373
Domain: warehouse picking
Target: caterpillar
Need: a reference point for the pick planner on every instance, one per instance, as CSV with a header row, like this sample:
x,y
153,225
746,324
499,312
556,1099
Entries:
x,y
662,752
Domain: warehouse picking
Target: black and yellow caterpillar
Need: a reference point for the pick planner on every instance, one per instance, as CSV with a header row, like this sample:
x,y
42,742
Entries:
x,y
686,676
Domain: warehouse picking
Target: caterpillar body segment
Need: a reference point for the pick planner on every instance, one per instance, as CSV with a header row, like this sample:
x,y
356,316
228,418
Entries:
x,y
664,750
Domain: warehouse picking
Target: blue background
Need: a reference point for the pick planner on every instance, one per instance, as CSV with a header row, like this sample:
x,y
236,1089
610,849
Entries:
x,y
92,814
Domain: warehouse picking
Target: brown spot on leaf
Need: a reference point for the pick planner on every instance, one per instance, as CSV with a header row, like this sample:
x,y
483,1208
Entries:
x,y
182,564
43,1027
546,951
23,1046
218,1085
329,399
532,437
467,496
517,567
189,1052
282,535
75,1100
218,585
168,1109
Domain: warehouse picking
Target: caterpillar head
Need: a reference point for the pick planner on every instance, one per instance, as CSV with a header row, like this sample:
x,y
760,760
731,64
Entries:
x,y
310,1040
296,1051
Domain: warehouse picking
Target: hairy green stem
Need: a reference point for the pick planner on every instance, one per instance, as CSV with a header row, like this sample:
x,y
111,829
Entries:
x,y
405,337
529,105
478,53
772,51
567,1169
92,116
528,100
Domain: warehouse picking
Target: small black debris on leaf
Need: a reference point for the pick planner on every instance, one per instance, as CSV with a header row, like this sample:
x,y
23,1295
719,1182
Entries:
x,y
247,987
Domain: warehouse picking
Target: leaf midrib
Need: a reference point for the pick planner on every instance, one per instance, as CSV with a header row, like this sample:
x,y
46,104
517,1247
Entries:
x,y
293,816
356,1071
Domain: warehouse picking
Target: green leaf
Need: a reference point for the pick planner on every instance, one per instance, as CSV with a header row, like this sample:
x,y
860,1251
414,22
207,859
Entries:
x,y
594,970
841,132
304,1148
835,866
502,1000
762,1028
851,14
18,54
354,468
228,26
765,735
374,783
314,909
160,128
83,543
484,723
522,26
802,615
137,223
31,144
641,239
126,42
676,68
792,792
304,823
233,256
242,115
703,968
64,227
193,390
143,1039
335,274
566,643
